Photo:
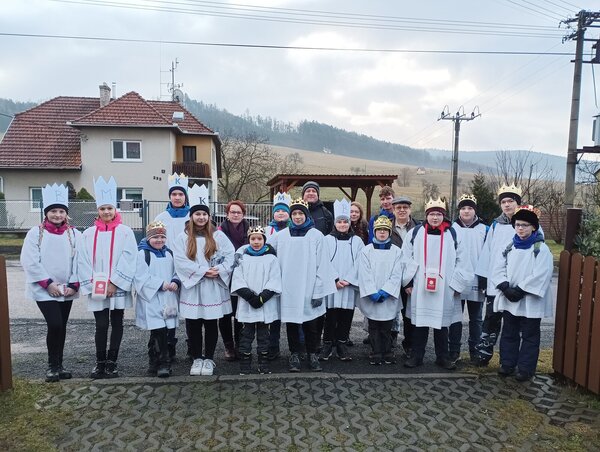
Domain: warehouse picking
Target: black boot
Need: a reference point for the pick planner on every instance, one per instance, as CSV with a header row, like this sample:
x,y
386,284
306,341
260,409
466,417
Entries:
x,y
62,373
313,362
164,361
99,370
152,354
341,348
52,374
111,364
263,364
245,364
327,350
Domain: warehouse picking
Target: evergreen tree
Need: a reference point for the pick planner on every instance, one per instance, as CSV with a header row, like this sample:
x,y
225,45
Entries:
x,y
487,207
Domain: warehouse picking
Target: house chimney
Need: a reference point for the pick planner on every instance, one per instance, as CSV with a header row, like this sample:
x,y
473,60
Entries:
x,y
104,95
114,90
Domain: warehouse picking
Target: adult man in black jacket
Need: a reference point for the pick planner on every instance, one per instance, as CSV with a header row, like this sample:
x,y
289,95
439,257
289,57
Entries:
x,y
318,212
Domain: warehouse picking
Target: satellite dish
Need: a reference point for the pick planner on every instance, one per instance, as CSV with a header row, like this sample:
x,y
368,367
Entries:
x,y
178,95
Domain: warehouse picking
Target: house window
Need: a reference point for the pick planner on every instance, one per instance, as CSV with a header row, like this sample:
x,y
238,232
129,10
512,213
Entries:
x,y
125,151
189,153
1,185
132,194
35,199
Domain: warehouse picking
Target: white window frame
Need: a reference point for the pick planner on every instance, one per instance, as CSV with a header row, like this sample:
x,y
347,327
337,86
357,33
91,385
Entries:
x,y
124,158
2,185
32,206
137,190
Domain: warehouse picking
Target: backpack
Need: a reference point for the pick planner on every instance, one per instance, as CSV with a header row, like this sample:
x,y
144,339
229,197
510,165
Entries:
x,y
147,255
536,249
416,229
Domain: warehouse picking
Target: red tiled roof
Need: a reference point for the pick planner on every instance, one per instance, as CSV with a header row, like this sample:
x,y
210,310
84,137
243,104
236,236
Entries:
x,y
47,136
41,138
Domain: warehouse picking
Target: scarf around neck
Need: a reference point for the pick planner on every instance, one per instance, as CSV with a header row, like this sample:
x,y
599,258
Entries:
x,y
520,244
385,245
111,226
178,212
53,229
301,230
145,245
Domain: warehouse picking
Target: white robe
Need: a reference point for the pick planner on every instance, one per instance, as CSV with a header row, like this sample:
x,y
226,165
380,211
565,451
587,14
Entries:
x,y
54,258
123,265
204,298
151,300
441,308
306,274
498,237
257,273
175,226
472,239
344,257
533,275
380,270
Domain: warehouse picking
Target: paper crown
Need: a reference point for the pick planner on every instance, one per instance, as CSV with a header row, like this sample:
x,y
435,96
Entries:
x,y
256,230
467,199
529,208
282,198
156,228
299,202
55,194
510,189
341,209
198,195
438,203
178,181
382,222
106,192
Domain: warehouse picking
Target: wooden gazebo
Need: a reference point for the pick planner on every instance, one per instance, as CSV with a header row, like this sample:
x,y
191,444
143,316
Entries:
x,y
353,182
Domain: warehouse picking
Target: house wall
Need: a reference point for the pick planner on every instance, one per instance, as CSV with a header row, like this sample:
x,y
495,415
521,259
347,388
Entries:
x,y
205,152
151,173
17,182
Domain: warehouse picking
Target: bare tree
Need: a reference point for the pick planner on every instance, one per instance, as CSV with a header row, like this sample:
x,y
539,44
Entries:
x,y
404,177
430,190
551,201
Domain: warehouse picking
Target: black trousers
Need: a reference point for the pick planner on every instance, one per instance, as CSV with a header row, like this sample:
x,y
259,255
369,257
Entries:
x,y
380,336
520,343
337,324
261,330
440,341
492,324
211,335
158,349
408,327
229,334
56,314
311,335
105,318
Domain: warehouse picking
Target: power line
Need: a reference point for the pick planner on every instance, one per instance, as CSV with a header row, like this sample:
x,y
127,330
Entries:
x,y
570,10
282,47
579,8
554,19
535,5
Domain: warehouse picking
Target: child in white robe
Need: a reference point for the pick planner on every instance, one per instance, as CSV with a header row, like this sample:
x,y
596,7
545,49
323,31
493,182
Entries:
x,y
257,281
49,260
379,277
156,285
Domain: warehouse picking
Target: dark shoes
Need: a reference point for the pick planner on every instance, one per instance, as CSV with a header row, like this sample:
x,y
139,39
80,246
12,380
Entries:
x,y
52,375
99,371
341,349
64,374
445,363
230,352
263,364
313,362
164,371
506,371
111,369
327,351
274,353
413,362
522,377
294,362
245,364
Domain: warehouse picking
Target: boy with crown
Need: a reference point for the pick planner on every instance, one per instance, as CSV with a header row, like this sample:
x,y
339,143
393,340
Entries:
x,y
471,233
49,260
156,285
343,250
307,279
437,271
174,219
107,261
379,277
524,294
257,281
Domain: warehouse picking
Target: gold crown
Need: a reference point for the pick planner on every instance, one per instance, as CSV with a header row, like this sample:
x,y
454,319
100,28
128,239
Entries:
x,y
299,201
435,203
466,197
382,222
530,208
256,230
158,226
510,189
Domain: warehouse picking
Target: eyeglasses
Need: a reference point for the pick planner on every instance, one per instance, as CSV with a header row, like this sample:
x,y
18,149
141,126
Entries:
x,y
397,207
522,225
235,212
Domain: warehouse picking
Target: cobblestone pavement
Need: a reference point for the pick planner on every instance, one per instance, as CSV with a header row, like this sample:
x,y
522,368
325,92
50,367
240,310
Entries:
x,y
328,412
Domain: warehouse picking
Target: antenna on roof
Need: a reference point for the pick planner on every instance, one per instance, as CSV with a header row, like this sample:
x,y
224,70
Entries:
x,y
174,88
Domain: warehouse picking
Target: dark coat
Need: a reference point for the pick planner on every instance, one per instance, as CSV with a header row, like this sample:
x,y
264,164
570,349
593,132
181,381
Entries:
x,y
321,216
396,239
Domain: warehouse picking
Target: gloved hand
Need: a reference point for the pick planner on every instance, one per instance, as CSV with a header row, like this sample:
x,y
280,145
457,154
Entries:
x,y
481,282
266,295
255,302
316,302
503,286
245,293
514,294
374,297
383,295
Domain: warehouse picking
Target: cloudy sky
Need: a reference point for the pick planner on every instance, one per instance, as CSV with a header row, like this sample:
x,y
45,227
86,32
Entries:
x,y
397,96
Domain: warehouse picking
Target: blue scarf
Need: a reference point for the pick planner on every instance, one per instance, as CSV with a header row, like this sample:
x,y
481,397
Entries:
x,y
385,245
178,212
301,230
249,250
144,245
279,225
528,242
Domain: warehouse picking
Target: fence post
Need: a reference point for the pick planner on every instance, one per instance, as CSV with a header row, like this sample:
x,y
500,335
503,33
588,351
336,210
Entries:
x,y
572,229
5,359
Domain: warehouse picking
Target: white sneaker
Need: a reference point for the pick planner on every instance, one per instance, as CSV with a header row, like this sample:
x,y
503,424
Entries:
x,y
197,367
208,366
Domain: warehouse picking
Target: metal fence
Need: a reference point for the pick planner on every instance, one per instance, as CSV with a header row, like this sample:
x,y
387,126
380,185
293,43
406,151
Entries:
x,y
20,216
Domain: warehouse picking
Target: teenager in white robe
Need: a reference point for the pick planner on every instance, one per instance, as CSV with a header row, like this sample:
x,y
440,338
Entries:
x,y
525,295
307,279
437,271
257,282
344,250
49,260
108,248
203,262
471,232
379,278
156,285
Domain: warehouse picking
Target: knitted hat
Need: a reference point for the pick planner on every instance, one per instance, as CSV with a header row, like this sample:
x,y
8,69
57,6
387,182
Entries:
x,y
510,191
467,200
382,222
311,184
300,204
156,228
257,230
529,214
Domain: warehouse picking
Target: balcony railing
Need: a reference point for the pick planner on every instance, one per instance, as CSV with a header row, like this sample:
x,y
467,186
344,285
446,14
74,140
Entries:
x,y
192,169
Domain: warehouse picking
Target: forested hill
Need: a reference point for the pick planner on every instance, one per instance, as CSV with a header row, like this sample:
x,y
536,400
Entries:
x,y
8,108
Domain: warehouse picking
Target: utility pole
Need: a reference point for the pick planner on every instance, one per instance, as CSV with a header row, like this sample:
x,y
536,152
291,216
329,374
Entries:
x,y
458,117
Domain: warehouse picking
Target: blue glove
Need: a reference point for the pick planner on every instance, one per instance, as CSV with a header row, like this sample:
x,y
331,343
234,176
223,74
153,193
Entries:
x,y
383,294
375,297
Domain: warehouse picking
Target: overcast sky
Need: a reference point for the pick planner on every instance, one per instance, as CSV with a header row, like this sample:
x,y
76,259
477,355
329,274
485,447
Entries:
x,y
524,100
